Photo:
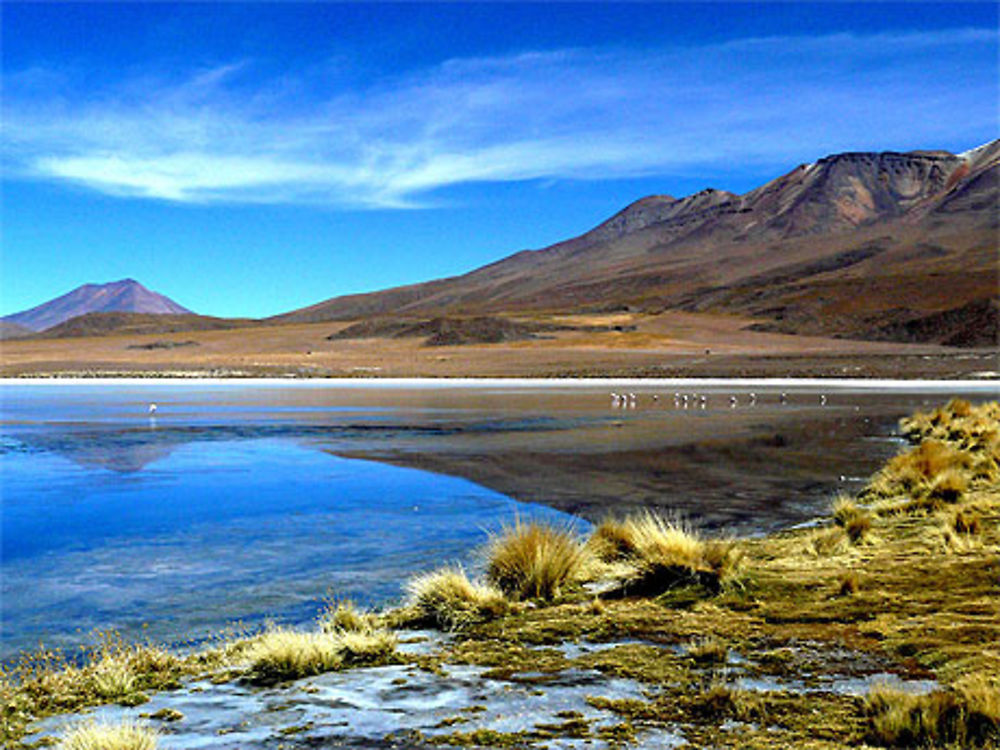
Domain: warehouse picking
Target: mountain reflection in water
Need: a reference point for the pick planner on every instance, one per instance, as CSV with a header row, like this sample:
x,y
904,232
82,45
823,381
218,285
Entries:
x,y
247,502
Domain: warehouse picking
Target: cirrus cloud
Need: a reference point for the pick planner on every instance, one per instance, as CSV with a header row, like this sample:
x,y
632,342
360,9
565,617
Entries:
x,y
231,134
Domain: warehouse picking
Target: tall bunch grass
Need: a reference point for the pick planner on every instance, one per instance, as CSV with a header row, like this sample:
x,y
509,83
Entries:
x,y
345,616
967,716
663,552
102,736
284,654
448,599
45,681
853,519
535,560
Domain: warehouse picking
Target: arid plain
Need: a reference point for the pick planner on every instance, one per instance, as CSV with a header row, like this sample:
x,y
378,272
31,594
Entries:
x,y
671,344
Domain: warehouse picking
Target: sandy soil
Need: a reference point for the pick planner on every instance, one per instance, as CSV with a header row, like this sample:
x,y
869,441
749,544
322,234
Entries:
x,y
666,345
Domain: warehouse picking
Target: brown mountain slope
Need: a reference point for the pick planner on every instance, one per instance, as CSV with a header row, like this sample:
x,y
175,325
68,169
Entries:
x,y
829,248
122,323
13,331
126,295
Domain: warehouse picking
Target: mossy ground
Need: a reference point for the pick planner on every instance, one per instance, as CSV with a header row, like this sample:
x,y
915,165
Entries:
x,y
915,594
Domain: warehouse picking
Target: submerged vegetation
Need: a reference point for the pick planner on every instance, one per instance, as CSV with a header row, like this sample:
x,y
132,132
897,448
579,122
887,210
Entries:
x,y
783,641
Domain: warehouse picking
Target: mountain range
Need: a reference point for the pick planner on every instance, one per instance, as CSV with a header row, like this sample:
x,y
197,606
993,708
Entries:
x,y
886,246
881,245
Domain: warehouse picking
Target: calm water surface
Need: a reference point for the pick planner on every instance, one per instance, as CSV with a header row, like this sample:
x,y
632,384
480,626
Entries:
x,y
245,502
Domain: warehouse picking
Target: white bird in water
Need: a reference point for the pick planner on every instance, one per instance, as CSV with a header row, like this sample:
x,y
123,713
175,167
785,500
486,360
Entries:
x,y
703,401
783,398
152,409
753,399
822,400
732,402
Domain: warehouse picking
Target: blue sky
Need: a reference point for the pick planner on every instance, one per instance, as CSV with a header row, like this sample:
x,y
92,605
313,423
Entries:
x,y
248,159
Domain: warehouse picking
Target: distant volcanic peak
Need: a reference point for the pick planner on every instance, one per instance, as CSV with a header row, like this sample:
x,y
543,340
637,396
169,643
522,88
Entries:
x,y
126,295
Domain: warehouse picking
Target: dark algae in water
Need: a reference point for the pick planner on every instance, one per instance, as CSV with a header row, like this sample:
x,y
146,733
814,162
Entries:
x,y
875,627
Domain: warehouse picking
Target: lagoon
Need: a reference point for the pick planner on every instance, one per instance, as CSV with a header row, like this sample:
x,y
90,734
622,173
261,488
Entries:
x,y
248,501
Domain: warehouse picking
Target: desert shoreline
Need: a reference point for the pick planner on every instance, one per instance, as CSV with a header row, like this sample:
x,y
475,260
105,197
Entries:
x,y
900,384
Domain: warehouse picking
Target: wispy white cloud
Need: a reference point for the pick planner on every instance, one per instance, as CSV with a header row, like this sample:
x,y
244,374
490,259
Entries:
x,y
227,134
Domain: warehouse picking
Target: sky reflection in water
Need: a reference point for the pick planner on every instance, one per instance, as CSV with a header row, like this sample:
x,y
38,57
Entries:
x,y
209,532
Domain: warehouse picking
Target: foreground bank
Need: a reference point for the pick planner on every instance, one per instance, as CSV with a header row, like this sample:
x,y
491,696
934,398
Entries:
x,y
877,625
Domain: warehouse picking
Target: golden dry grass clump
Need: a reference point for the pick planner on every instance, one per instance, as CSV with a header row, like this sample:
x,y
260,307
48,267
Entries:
x,y
663,553
45,681
966,716
720,701
853,519
708,650
448,599
102,736
285,654
344,616
958,449
537,560
957,453
958,421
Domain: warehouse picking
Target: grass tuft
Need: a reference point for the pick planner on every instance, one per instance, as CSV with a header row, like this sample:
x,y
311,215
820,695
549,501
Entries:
x,y
968,716
849,583
664,553
448,599
537,560
720,701
709,650
101,736
948,487
966,521
45,681
854,520
370,647
283,654
829,541
344,616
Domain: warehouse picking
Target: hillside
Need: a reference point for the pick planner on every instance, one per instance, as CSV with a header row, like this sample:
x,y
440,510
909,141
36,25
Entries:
x,y
127,296
13,331
121,323
851,245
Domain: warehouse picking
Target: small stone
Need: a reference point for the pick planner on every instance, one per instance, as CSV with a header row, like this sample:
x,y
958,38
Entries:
x,y
167,714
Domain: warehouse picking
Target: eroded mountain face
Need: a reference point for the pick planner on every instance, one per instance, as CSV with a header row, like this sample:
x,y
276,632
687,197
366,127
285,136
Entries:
x,y
856,244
